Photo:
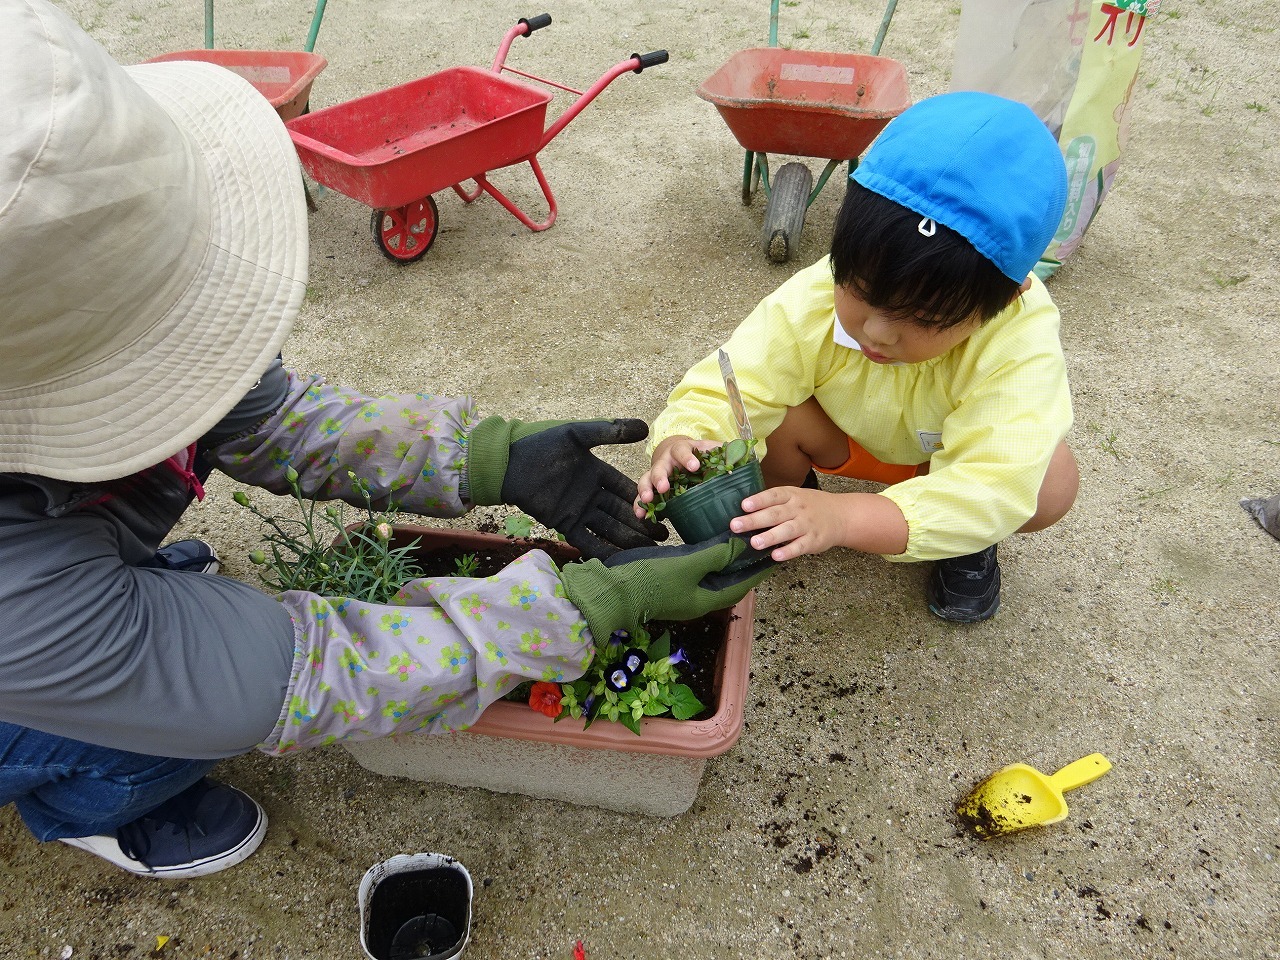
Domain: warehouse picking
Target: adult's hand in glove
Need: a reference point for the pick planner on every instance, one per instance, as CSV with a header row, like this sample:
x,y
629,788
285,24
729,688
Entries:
x,y
661,583
547,469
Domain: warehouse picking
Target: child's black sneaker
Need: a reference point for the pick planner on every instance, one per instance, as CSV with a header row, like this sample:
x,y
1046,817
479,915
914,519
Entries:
x,y
966,589
193,556
206,828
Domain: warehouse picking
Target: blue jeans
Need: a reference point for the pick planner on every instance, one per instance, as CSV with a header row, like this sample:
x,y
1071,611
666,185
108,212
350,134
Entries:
x,y
65,788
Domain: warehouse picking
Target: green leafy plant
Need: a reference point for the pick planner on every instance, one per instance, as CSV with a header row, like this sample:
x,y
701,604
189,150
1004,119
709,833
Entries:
x,y
1227,282
317,551
633,676
466,565
716,462
518,525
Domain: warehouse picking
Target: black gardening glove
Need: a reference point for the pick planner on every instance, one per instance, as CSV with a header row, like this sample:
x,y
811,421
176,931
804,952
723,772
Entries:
x,y
661,583
547,469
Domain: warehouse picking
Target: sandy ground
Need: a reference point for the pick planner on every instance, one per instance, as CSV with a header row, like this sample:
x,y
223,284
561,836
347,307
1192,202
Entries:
x,y
1144,626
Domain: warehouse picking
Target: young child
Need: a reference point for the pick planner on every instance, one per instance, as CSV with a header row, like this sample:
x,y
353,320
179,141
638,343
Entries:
x,y
920,354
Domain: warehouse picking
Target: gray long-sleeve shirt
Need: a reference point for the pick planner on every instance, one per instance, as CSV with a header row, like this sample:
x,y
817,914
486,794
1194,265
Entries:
x,y
100,649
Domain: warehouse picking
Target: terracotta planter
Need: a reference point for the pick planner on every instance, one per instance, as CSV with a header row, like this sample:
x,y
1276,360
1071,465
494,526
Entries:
x,y
513,749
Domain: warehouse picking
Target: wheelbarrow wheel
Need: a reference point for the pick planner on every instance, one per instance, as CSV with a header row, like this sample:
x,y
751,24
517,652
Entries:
x,y
406,233
784,216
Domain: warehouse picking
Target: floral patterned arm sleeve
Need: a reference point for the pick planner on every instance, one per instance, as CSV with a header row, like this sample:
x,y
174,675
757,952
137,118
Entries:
x,y
410,448
431,660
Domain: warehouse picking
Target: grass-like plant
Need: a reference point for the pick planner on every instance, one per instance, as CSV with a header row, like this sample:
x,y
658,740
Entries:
x,y
320,554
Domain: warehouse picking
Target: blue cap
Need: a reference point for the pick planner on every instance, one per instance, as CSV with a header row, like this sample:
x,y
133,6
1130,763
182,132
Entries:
x,y
982,165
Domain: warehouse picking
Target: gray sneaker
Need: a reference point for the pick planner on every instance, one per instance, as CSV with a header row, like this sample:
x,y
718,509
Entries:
x,y
191,556
206,828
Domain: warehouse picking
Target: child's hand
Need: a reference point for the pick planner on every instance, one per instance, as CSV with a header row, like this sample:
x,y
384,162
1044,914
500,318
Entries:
x,y
798,520
793,521
677,451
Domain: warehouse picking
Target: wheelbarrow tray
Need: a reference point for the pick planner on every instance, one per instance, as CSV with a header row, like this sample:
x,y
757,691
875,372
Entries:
x,y
807,103
390,148
283,77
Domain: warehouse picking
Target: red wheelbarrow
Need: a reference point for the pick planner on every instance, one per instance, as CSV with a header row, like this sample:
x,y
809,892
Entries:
x,y
283,77
391,150
808,104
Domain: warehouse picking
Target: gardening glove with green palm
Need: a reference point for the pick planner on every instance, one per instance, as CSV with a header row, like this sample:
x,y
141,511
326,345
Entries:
x,y
661,583
547,469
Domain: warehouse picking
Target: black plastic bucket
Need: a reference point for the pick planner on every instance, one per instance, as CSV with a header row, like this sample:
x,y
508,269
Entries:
x,y
416,906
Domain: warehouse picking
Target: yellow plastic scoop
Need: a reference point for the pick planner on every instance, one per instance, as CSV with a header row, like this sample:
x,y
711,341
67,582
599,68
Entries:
x,y
1020,796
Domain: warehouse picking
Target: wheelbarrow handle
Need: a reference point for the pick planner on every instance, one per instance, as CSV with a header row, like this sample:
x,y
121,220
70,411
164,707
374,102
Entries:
x,y
651,59
535,23
521,28
633,64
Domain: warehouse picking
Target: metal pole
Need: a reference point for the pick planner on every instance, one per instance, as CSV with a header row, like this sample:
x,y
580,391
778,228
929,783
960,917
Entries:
x,y
208,24
884,28
753,170
315,25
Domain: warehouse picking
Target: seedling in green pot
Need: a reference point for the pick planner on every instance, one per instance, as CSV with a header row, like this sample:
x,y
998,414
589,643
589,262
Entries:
x,y
716,462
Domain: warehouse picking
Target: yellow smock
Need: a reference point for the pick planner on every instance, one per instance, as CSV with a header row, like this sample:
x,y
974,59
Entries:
x,y
988,413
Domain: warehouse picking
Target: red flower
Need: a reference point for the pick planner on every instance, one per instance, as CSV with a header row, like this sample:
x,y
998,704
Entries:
x,y
545,698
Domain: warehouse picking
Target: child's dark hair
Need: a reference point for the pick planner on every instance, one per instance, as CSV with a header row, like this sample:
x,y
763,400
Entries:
x,y
939,281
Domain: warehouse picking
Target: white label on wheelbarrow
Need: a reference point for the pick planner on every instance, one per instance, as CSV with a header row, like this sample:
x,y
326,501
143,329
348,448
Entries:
x,y
262,74
814,73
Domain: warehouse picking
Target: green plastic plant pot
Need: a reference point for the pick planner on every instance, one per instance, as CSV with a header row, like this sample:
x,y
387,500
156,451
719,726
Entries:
x,y
704,511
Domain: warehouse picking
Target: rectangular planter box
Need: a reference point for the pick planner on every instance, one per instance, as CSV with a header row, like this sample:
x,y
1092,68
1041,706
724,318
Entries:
x,y
513,749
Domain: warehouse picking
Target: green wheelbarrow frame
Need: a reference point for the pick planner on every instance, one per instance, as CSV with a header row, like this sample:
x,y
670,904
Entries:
x,y
311,34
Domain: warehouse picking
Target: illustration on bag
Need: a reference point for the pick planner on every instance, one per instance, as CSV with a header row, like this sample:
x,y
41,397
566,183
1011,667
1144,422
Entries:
x,y
1074,62
1135,16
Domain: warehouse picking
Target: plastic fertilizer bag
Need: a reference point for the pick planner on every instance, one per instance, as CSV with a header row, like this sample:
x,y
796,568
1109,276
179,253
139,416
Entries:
x,y
1074,62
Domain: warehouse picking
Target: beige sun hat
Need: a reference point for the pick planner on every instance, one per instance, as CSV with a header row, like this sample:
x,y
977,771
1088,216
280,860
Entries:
x,y
153,249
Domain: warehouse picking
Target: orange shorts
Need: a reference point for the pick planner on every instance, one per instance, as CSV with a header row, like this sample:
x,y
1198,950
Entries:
x,y
863,466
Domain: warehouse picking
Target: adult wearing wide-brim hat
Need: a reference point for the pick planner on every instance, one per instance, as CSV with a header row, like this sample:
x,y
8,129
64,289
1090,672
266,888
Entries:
x,y
153,229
